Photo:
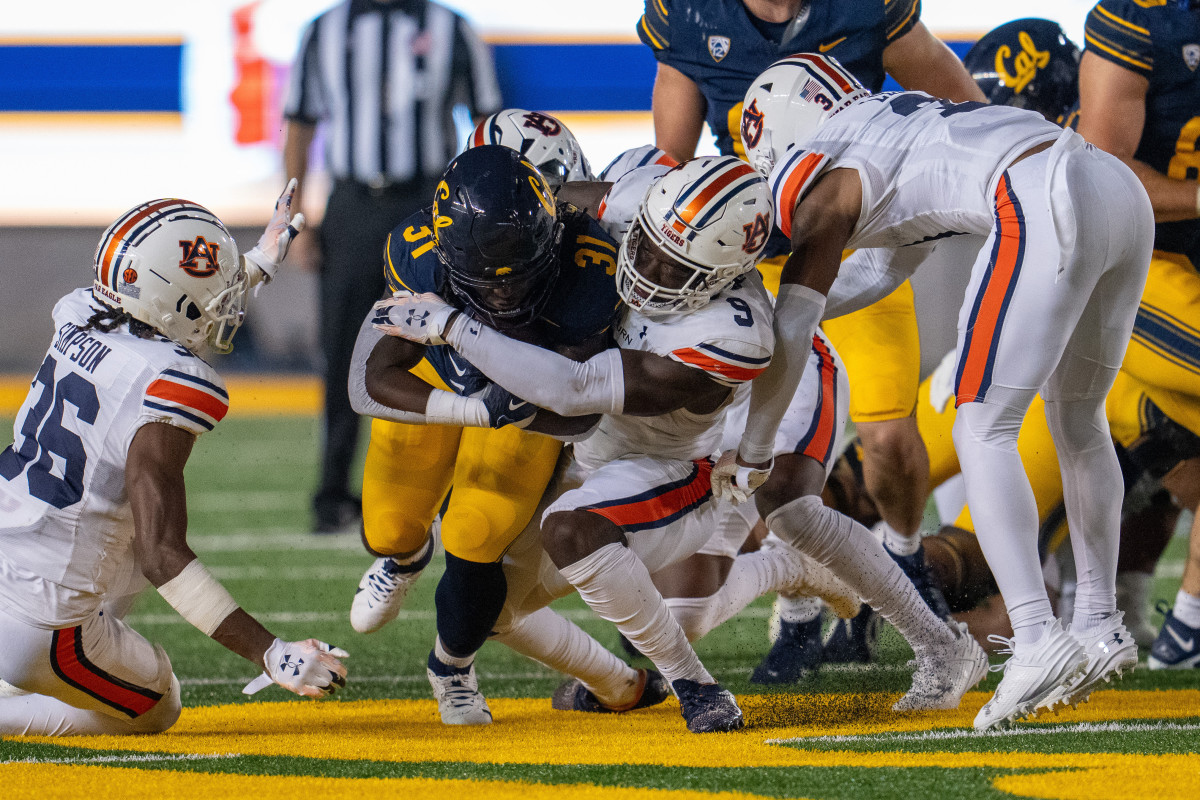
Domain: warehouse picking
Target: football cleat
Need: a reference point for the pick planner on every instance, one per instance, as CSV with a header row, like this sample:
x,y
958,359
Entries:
x,y
945,672
457,693
917,569
707,707
1036,676
574,696
853,641
383,587
1177,645
795,655
1111,651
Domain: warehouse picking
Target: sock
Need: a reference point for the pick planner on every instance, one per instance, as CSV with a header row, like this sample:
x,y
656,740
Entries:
x,y
617,586
694,614
897,542
412,563
797,608
562,645
446,659
469,599
1187,609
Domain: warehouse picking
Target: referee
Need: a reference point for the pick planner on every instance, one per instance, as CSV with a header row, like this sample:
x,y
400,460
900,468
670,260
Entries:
x,y
383,76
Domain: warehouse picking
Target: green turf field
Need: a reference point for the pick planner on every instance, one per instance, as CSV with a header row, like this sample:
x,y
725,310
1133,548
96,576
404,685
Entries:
x,y
834,737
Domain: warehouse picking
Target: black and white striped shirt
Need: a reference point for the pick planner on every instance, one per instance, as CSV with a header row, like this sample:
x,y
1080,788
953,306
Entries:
x,y
385,77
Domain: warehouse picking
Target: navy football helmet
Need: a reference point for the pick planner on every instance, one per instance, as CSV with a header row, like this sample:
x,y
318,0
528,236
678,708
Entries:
x,y
497,235
1027,63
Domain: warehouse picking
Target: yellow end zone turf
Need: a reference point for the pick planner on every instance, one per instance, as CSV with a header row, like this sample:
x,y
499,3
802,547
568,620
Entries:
x,y
526,731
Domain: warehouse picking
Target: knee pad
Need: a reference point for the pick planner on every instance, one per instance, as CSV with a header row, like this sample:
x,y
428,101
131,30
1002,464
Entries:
x,y
469,599
992,425
810,526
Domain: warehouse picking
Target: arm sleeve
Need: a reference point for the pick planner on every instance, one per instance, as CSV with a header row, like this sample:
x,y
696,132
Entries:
x,y
360,400
473,64
1117,32
797,314
900,16
305,100
546,379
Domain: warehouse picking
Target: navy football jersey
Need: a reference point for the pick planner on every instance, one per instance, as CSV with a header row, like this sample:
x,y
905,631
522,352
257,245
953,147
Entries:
x,y
581,306
715,43
1161,42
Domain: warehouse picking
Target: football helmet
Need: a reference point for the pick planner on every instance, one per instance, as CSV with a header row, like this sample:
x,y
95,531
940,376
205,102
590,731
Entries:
x,y
1027,63
701,225
786,104
543,140
173,265
633,158
497,235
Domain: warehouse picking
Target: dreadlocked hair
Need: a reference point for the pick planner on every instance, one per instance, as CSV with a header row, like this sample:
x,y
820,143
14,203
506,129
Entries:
x,y
107,319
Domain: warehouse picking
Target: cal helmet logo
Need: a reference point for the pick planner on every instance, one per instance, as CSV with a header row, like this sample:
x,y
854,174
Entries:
x,y
756,234
752,124
442,192
1191,56
199,257
718,47
1025,63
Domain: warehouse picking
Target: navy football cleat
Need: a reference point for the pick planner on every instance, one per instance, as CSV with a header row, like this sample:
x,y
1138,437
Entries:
x,y
707,707
853,641
574,696
917,570
1177,645
795,655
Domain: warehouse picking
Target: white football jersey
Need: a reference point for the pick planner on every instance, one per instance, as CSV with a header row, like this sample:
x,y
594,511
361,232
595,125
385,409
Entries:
x,y
929,167
66,526
730,339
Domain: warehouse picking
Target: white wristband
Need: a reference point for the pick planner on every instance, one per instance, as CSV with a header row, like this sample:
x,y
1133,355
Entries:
x,y
199,597
448,408
1198,199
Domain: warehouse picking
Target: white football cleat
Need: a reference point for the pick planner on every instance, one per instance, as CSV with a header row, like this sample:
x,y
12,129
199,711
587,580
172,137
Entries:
x,y
457,694
945,672
381,592
1111,650
1036,676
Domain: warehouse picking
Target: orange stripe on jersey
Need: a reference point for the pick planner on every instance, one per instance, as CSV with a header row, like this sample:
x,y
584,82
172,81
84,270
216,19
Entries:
x,y
690,355
702,199
821,64
69,663
666,160
187,396
975,364
119,234
663,508
820,437
791,189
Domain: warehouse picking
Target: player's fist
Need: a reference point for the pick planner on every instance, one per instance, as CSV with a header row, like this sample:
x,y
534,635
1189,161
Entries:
x,y
309,668
505,408
421,318
736,481
264,258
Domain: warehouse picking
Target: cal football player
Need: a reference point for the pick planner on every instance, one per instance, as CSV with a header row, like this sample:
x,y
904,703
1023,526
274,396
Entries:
x,y
1027,63
92,488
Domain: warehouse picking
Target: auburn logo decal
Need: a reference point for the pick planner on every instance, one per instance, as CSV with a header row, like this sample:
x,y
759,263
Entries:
x,y
756,233
547,125
199,257
752,124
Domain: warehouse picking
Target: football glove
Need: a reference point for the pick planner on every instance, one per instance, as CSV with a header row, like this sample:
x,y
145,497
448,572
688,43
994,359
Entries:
x,y
421,318
264,258
505,408
309,668
736,482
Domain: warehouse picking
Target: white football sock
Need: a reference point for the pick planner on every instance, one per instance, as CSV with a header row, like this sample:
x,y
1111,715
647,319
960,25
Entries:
x,y
797,608
854,555
443,655
562,645
897,542
1187,609
615,583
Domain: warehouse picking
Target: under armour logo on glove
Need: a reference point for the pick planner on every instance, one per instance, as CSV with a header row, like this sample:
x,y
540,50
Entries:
x,y
309,668
421,318
287,663
416,318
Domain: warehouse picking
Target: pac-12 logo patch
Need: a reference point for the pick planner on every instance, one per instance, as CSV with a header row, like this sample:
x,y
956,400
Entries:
x,y
752,124
199,257
1191,56
718,47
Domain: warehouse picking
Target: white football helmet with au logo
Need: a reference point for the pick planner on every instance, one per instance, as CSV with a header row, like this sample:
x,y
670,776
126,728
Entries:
x,y
543,140
712,217
173,265
788,102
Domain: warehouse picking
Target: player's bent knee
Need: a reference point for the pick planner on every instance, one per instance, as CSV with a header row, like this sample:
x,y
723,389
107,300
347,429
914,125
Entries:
x,y
470,534
895,443
809,525
569,536
163,714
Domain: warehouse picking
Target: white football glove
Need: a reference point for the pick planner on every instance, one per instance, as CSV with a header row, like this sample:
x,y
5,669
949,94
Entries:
x,y
421,318
736,482
264,258
309,668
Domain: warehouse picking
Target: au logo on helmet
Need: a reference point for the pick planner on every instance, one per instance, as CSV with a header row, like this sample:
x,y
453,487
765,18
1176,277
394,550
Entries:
x,y
544,123
1025,64
756,234
199,257
752,124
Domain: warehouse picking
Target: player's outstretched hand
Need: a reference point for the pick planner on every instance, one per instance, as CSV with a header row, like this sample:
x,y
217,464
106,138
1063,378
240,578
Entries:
x,y
736,481
421,318
264,258
309,668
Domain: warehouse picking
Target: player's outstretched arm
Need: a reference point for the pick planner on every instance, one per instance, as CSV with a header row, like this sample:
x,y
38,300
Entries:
x,y
263,260
154,481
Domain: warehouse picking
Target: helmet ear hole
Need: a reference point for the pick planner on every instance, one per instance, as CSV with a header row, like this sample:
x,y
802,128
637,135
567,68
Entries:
x,y
193,312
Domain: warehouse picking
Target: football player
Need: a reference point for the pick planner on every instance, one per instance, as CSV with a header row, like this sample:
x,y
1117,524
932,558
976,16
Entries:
x,y
92,488
1050,304
1138,94
541,139
694,327
495,243
708,53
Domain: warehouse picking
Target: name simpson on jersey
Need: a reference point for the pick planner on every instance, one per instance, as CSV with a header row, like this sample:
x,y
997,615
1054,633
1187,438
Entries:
x,y
80,347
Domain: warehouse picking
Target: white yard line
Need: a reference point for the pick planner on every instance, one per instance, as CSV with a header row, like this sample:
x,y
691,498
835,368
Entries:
x,y
1032,730
129,759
